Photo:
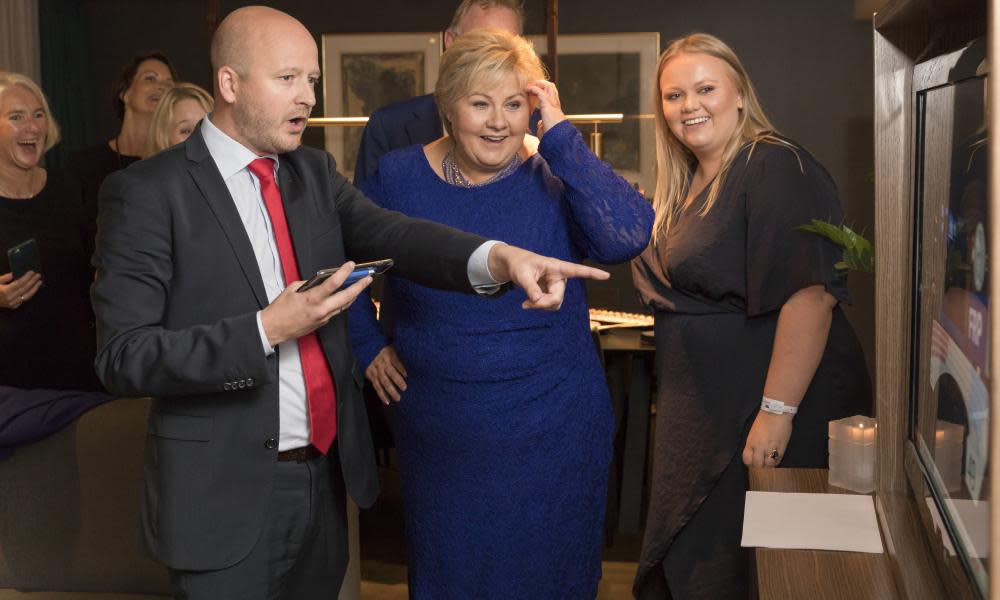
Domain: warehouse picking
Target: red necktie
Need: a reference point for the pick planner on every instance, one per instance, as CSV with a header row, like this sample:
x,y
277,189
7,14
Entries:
x,y
320,392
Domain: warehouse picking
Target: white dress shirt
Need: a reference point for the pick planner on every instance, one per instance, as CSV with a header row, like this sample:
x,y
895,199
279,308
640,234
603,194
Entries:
x,y
232,160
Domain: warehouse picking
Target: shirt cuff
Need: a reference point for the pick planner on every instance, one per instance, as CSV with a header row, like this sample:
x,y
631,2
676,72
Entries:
x,y
482,281
268,349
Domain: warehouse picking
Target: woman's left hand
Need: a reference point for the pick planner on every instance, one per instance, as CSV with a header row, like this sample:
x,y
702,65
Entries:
x,y
768,433
548,104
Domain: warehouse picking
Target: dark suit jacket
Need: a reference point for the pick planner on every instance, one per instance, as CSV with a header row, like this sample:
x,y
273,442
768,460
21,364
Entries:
x,y
397,125
176,297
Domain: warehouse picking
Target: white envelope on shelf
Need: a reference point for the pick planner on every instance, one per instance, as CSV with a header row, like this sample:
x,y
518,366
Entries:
x,y
843,522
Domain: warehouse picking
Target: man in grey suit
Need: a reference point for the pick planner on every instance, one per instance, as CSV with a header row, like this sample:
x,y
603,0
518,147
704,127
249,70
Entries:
x,y
258,429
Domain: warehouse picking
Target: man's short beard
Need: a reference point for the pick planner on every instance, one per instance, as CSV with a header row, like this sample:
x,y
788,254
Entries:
x,y
256,132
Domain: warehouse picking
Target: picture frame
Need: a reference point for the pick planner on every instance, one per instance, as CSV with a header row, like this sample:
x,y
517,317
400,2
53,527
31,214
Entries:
x,y
364,71
612,73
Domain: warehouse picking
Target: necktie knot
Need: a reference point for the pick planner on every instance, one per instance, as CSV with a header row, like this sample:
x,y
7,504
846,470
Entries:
x,y
263,168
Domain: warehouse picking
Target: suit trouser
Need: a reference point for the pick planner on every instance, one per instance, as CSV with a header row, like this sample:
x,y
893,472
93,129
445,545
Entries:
x,y
302,550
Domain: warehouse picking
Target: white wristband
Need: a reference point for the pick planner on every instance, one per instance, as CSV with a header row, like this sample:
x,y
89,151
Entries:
x,y
777,407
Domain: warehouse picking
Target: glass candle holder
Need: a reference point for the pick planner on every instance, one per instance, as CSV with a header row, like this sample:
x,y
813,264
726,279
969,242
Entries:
x,y
852,453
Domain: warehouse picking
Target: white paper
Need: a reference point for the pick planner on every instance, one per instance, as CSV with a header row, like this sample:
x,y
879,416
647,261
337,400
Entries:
x,y
811,522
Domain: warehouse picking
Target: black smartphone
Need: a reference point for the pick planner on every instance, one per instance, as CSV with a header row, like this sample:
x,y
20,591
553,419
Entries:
x,y
24,257
360,271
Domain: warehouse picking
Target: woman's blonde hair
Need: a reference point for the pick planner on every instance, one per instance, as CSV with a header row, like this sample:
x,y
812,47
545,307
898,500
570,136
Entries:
x,y
158,138
674,160
9,79
482,59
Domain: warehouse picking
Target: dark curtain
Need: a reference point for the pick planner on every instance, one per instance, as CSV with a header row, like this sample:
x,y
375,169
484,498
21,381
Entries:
x,y
65,75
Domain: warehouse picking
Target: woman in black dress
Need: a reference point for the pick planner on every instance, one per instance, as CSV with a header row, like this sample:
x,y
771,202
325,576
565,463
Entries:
x,y
46,325
137,92
754,355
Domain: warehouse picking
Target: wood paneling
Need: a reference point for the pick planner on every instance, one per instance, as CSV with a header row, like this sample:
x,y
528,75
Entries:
x,y
907,32
916,572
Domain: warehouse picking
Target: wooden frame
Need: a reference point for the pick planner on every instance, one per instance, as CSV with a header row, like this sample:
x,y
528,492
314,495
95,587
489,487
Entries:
x,y
364,71
908,32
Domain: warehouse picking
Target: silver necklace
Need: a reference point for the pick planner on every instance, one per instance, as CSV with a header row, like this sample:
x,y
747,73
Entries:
x,y
453,175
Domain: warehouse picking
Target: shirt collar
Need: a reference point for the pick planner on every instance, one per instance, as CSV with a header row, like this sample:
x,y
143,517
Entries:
x,y
230,156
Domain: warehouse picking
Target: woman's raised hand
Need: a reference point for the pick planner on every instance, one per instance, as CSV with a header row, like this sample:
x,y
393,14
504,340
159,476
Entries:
x,y
548,104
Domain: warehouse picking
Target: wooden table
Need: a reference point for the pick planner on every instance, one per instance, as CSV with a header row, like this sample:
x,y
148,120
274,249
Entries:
x,y
816,574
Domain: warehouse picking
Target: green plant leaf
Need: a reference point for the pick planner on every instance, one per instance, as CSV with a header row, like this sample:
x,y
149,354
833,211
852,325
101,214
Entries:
x,y
859,253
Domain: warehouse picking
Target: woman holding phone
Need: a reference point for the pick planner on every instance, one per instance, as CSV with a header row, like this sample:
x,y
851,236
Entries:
x,y
46,325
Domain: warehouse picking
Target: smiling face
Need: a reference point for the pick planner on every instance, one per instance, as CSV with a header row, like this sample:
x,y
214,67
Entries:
x,y
22,131
488,127
187,113
700,102
151,80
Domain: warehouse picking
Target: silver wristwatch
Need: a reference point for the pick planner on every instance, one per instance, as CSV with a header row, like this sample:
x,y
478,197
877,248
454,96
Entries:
x,y
777,407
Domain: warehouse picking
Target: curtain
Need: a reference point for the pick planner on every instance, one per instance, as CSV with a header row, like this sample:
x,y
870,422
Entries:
x,y
66,75
19,37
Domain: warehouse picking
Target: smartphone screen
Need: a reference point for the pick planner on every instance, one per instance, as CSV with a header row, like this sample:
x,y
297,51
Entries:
x,y
24,257
361,271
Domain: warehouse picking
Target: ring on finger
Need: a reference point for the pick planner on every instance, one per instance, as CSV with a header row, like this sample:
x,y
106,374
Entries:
x,y
773,454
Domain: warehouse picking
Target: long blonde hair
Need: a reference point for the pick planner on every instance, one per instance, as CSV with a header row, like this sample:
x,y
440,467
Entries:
x,y
674,160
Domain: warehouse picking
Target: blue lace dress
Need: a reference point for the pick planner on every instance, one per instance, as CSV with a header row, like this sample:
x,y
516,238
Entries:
x,y
504,431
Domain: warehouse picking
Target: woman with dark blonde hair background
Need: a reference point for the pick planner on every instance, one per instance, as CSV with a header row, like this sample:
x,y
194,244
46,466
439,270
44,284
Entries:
x,y
177,114
754,354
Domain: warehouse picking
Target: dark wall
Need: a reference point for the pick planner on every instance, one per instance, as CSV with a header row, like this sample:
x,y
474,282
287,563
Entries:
x,y
811,63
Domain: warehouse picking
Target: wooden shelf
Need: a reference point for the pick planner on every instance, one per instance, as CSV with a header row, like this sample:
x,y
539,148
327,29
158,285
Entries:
x,y
816,574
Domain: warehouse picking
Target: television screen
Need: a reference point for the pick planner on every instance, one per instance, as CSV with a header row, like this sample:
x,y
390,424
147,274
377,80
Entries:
x,y
950,423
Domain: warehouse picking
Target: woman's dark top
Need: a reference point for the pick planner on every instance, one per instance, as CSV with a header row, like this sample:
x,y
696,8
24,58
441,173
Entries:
x,y
49,341
90,166
717,283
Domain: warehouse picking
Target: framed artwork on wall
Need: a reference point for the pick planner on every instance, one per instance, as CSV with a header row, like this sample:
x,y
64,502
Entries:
x,y
613,73
362,72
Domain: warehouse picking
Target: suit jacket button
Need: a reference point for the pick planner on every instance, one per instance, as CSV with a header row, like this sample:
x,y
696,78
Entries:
x,y
249,380
226,386
243,383
271,443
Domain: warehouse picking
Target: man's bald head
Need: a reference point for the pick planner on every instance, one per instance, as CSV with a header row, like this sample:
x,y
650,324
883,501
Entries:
x,y
266,67
245,32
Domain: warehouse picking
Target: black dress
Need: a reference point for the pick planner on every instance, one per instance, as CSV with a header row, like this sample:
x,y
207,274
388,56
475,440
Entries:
x,y
49,341
90,166
717,283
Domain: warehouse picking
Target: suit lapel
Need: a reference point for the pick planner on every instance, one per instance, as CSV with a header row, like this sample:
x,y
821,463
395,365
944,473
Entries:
x,y
296,206
216,195
425,126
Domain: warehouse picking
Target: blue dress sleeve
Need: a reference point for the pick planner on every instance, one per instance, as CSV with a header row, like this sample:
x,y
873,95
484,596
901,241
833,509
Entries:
x,y
611,221
367,339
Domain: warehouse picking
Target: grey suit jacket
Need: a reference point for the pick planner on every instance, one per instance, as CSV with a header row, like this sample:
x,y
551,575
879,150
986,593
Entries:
x,y
176,297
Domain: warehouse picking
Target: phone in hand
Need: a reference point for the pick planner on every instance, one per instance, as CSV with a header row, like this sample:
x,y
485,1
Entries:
x,y
24,257
360,271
